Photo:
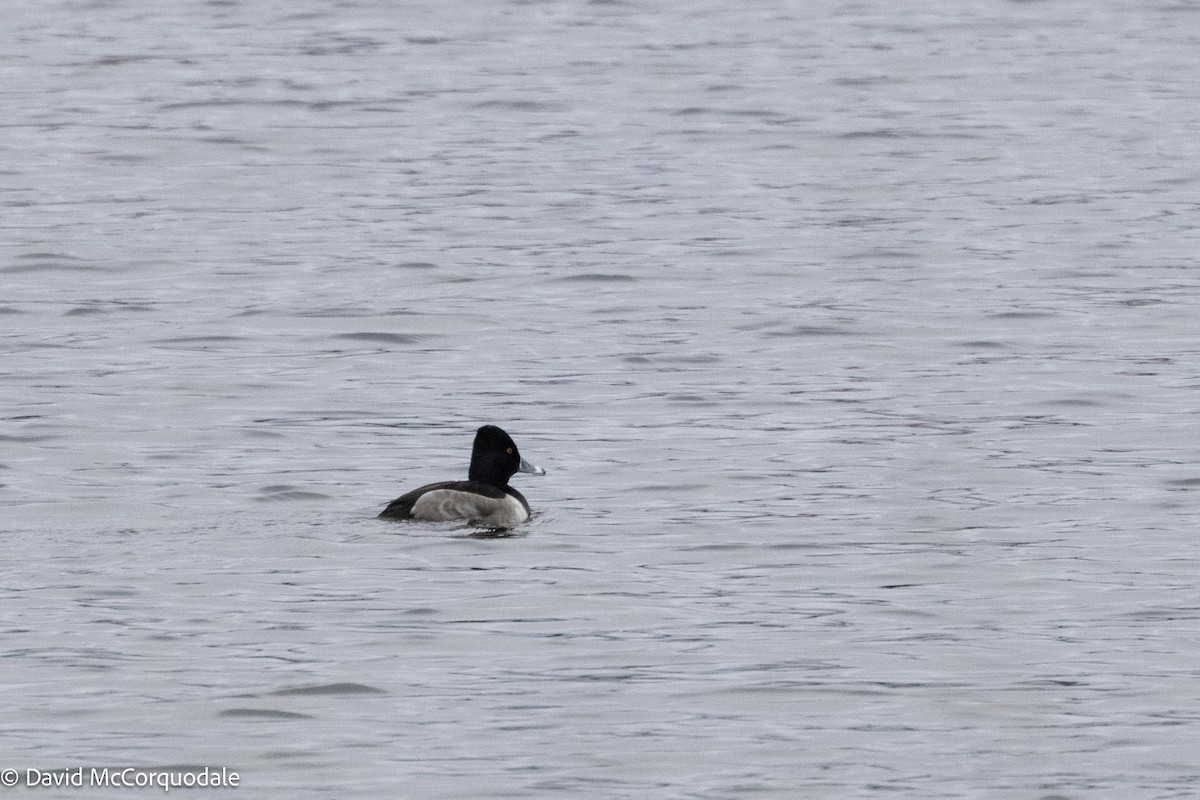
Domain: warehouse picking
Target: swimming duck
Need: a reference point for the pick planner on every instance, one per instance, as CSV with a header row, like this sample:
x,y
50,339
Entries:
x,y
484,499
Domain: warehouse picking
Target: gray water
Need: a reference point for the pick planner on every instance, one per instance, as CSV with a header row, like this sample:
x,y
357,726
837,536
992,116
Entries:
x,y
859,340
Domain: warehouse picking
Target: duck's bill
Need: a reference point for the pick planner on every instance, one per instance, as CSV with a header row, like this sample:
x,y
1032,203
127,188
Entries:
x,y
530,468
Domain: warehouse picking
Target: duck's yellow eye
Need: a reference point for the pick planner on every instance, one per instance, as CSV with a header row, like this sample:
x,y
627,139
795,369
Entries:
x,y
508,450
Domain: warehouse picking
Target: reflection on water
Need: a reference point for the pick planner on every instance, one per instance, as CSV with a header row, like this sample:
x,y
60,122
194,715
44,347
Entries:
x,y
859,343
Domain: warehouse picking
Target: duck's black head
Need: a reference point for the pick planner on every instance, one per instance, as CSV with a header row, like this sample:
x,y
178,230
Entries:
x,y
495,458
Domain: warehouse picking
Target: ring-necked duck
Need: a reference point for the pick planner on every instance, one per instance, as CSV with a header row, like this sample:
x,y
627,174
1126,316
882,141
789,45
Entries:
x,y
485,498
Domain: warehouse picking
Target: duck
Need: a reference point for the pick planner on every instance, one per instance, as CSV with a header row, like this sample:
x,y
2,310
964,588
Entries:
x,y
485,499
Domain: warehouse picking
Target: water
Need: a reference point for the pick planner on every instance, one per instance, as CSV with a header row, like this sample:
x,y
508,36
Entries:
x,y
858,338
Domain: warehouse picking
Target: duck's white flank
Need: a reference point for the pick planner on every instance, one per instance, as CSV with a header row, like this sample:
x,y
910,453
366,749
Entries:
x,y
441,505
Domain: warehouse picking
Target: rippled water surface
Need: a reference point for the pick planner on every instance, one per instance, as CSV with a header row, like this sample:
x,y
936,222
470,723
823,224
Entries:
x,y
859,340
